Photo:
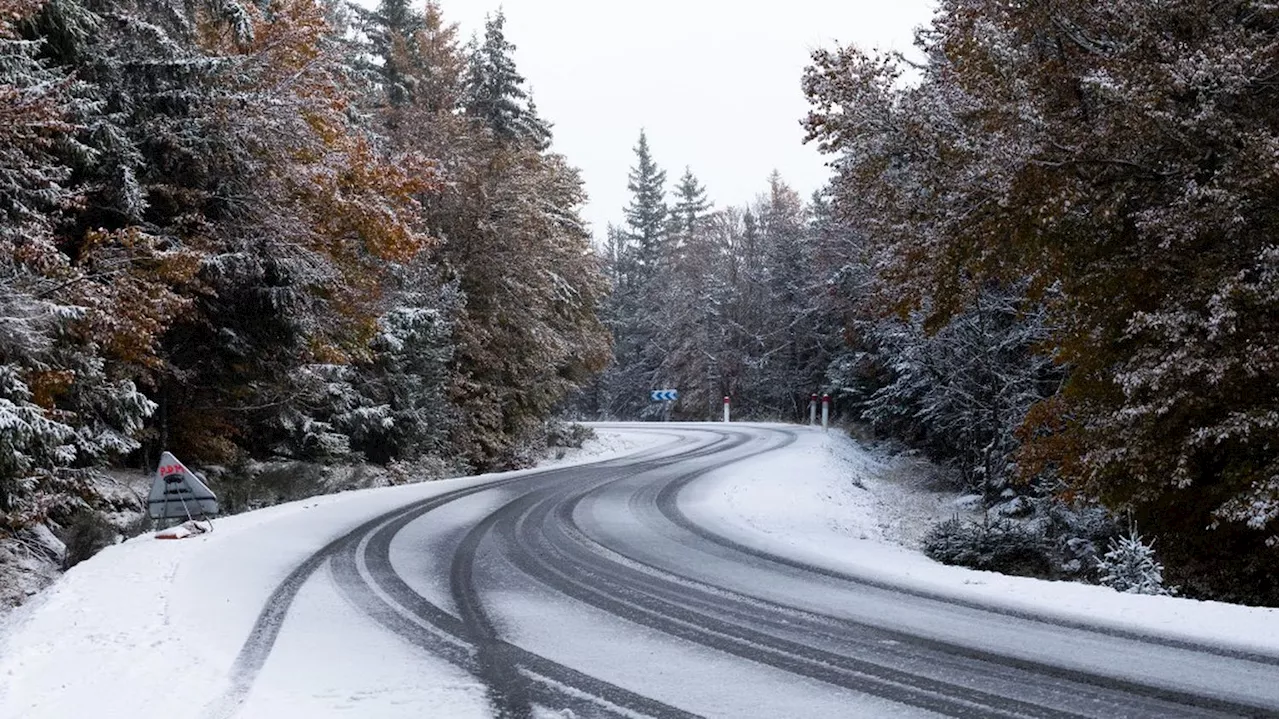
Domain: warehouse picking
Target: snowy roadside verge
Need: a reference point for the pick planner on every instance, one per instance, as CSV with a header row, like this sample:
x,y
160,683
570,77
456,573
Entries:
x,y
824,501
153,610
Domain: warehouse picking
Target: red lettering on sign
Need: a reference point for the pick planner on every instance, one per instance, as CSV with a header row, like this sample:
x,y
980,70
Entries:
x,y
171,469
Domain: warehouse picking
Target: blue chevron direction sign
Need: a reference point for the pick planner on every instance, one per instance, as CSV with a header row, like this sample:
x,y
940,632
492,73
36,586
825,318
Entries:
x,y
664,395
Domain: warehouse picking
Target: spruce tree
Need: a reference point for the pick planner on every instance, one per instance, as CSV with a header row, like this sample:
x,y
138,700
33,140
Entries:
x,y
691,205
792,349
495,95
646,213
391,30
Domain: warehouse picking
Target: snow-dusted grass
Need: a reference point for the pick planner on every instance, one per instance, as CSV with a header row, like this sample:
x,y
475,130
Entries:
x,y
827,502
149,628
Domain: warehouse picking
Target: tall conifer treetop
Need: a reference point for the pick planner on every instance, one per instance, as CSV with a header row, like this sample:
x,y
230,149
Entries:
x,y
691,203
495,93
390,30
646,214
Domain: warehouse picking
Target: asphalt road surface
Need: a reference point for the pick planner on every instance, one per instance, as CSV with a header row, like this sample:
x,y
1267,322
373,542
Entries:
x,y
587,592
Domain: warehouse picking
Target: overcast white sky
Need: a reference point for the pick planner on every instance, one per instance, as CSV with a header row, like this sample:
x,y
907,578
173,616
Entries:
x,y
715,84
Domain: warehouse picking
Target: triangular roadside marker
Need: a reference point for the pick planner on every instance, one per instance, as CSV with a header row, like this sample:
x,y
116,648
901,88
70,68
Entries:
x,y
176,493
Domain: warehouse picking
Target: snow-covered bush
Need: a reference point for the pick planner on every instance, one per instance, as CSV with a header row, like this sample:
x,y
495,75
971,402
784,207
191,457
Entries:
x,y
1001,545
1035,536
251,485
1076,532
568,434
1130,566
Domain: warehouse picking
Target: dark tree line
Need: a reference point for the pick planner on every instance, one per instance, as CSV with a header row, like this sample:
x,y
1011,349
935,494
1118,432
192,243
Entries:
x,y
713,302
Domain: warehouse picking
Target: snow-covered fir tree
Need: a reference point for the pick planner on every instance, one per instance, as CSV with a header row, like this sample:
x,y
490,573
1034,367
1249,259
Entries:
x,y
1130,566
495,91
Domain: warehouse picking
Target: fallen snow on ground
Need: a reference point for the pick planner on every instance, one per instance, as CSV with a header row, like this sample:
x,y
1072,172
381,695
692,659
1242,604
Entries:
x,y
608,442
150,628
827,502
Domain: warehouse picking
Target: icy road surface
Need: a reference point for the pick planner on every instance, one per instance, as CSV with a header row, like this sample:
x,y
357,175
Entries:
x,y
685,578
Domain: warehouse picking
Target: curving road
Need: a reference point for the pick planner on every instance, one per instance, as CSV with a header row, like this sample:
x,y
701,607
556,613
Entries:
x,y
588,589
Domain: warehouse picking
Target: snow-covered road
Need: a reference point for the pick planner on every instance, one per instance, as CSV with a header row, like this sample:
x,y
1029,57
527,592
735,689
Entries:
x,y
708,570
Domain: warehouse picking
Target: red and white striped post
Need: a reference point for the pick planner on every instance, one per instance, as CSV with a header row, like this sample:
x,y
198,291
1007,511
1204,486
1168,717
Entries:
x,y
826,409
813,409
726,408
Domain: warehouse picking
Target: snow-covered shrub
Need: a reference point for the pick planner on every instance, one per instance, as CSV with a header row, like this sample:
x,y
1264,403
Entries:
x,y
1001,545
568,434
1075,531
1130,566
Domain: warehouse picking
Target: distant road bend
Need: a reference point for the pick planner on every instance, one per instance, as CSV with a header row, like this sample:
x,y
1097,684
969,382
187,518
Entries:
x,y
588,589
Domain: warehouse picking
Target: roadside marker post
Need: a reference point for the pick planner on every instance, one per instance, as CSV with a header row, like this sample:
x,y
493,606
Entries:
x,y
726,408
826,409
813,409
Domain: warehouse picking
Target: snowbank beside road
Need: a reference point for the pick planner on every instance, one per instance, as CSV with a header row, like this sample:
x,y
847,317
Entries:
x,y
168,618
825,502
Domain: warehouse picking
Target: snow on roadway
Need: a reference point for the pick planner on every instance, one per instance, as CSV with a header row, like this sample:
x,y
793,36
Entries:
x,y
150,628
827,502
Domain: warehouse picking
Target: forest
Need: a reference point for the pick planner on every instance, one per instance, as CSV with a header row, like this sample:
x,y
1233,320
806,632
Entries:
x,y
290,229
299,229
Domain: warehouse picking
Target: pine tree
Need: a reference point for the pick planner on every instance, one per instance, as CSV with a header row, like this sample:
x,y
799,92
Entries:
x,y
391,30
437,47
646,212
685,310
639,286
495,94
792,348
691,206
1130,566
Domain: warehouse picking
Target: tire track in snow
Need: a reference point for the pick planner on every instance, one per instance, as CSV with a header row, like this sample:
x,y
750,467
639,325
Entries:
x,y
262,636
541,542
668,504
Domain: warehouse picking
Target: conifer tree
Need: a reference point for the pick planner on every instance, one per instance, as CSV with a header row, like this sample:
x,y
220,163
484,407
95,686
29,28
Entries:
x,y
639,285
495,95
792,348
691,206
62,412
392,29
646,212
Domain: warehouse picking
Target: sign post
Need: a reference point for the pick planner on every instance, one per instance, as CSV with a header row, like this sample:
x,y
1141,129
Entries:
x,y
669,396
813,409
726,408
826,409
